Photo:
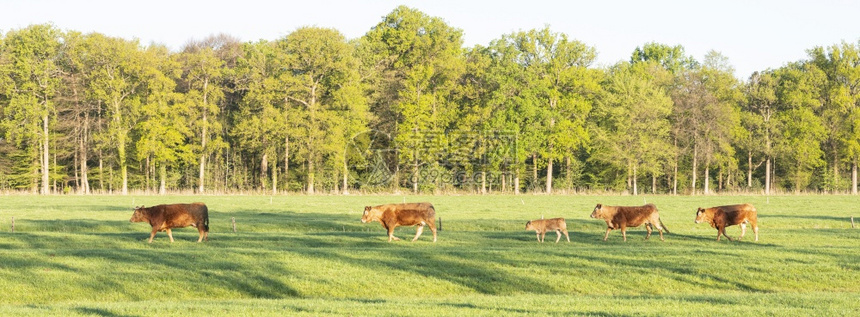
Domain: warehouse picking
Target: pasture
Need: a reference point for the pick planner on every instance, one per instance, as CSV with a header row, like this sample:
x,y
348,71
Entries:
x,y
309,255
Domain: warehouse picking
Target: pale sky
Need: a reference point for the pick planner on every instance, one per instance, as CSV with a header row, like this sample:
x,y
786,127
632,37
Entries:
x,y
754,35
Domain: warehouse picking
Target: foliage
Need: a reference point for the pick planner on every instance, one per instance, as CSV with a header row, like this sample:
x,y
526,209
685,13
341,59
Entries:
x,y
406,105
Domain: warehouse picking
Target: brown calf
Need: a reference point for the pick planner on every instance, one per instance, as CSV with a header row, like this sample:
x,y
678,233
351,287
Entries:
x,y
723,216
541,226
166,217
410,214
621,217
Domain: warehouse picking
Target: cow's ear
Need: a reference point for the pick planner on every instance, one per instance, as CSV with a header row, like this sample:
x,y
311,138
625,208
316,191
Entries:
x,y
599,206
528,223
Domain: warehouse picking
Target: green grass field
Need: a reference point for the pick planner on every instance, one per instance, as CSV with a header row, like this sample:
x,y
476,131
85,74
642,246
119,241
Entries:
x,y
310,255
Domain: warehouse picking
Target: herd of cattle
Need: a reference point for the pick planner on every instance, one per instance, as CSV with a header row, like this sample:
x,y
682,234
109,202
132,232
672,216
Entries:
x,y
166,217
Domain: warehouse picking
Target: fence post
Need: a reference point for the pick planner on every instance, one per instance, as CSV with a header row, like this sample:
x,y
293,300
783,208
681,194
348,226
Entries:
x,y
233,220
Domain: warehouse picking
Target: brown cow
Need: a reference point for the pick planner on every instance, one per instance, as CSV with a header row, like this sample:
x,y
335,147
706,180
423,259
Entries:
x,y
723,216
541,226
621,217
411,214
166,217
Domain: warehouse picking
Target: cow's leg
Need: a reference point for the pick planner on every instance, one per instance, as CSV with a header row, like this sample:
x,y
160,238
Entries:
x,y
723,230
606,236
418,232
543,236
558,236
537,234
624,232
170,234
433,229
755,230
648,228
743,230
660,231
391,233
566,235
152,235
201,232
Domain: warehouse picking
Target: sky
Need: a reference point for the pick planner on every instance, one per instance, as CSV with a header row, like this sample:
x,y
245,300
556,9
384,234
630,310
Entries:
x,y
753,35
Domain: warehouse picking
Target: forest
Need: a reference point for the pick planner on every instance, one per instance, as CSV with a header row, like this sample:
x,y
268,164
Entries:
x,y
408,108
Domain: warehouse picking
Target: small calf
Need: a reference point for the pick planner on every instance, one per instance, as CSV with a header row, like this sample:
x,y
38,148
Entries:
x,y
541,226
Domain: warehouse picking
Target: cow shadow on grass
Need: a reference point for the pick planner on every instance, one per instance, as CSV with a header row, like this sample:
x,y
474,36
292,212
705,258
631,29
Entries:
x,y
100,312
455,266
202,270
845,219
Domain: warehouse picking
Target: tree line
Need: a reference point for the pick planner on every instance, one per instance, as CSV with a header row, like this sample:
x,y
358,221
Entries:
x,y
408,107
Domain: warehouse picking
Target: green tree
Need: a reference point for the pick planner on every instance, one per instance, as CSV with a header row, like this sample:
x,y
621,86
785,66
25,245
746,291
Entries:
x,y
632,124
758,119
119,72
163,131
202,73
33,82
258,121
672,58
801,130
417,60
841,103
558,85
323,96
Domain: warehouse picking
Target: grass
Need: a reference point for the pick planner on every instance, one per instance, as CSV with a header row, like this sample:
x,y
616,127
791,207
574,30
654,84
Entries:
x,y
310,255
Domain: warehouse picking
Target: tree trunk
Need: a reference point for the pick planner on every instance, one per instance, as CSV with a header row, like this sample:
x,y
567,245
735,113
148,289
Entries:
x,y
504,177
767,168
517,180
483,182
675,171
146,174
549,176
45,156
854,177
749,169
568,177
275,174
707,178
635,183
101,173
345,174
720,179
123,166
162,187
415,172
835,168
534,171
85,182
287,162
264,170
695,167
202,173
310,176
653,184
203,137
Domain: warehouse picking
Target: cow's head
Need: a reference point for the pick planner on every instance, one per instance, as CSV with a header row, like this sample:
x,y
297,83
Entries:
x,y
700,215
597,211
529,226
139,214
366,217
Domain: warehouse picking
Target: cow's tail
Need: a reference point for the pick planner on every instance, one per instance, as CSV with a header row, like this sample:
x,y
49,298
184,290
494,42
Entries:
x,y
438,225
662,225
206,218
